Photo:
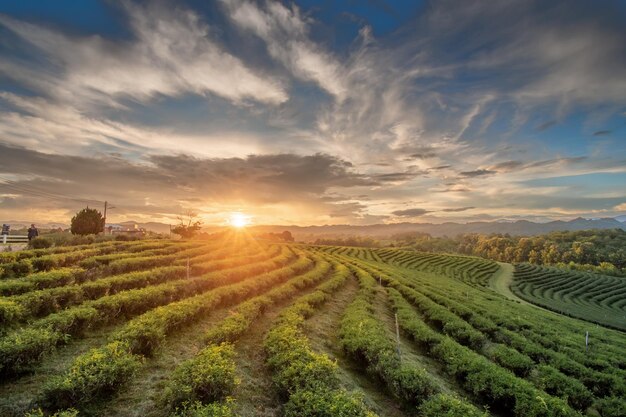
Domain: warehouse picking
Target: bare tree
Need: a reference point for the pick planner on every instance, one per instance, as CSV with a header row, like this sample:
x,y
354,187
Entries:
x,y
188,225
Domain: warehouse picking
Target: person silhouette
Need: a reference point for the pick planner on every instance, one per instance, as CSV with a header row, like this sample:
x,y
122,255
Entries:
x,y
32,232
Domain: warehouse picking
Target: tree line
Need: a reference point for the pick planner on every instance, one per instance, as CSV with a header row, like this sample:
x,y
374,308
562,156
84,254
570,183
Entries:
x,y
602,251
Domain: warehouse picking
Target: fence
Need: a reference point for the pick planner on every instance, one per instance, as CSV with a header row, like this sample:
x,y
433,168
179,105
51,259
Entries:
x,y
14,239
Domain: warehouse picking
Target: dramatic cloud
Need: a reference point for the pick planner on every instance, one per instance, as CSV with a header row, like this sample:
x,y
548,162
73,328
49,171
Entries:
x,y
174,181
171,55
316,114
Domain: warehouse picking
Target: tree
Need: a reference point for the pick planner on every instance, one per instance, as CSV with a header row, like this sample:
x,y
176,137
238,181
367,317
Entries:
x,y
287,237
87,222
188,226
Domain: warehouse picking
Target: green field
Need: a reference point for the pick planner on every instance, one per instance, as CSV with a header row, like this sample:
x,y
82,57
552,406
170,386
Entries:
x,y
593,297
238,327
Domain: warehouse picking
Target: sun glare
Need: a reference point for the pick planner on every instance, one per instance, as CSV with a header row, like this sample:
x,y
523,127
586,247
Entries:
x,y
239,220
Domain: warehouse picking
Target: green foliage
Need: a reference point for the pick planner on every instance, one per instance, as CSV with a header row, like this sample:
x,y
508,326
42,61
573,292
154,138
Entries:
x,y
443,405
307,379
554,382
510,358
40,243
209,377
600,251
363,336
589,296
92,375
611,407
87,222
324,402
198,409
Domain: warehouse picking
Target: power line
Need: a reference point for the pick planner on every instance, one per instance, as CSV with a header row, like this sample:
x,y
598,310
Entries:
x,y
27,189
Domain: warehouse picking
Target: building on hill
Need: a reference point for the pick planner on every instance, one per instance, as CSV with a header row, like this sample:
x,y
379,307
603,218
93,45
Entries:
x,y
117,229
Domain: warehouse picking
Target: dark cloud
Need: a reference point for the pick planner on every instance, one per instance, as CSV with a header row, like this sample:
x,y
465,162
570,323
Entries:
x,y
396,176
414,212
171,181
458,189
476,173
455,210
602,133
440,167
507,166
545,126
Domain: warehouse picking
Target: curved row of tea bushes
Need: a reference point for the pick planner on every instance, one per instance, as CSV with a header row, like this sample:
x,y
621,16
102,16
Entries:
x,y
142,336
588,296
427,301
195,381
21,349
308,380
496,386
364,338
40,303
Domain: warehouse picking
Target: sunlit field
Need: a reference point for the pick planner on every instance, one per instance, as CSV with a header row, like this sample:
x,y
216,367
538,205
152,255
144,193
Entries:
x,y
244,327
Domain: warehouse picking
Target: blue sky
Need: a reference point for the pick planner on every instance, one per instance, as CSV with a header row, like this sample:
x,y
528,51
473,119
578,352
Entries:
x,y
313,112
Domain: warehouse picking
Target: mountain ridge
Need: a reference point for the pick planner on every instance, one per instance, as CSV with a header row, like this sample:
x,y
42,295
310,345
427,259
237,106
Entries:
x,y
515,228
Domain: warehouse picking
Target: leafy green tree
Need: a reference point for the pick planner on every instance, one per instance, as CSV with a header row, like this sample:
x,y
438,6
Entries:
x,y
87,222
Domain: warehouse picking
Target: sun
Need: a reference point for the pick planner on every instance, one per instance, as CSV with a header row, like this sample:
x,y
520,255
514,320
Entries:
x,y
239,220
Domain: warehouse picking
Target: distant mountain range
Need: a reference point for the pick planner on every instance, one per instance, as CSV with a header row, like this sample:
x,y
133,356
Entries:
x,y
307,233
517,228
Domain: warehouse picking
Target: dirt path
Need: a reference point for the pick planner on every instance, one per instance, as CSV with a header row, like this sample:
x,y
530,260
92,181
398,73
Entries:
x,y
408,349
255,395
322,332
501,281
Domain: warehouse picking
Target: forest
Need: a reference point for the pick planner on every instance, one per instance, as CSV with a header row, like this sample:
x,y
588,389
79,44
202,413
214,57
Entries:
x,y
602,251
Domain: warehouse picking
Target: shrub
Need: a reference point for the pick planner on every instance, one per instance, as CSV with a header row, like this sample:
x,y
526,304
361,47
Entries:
x,y
511,359
25,347
207,378
40,243
325,403
443,405
197,409
555,383
9,311
92,375
611,407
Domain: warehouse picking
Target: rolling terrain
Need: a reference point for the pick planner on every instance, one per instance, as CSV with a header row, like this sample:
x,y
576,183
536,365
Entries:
x,y
239,327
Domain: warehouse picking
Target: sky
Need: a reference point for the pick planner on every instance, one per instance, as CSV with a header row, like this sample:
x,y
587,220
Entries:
x,y
313,112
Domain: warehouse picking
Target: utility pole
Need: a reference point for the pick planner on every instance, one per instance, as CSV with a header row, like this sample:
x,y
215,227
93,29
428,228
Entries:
x,y
104,226
106,206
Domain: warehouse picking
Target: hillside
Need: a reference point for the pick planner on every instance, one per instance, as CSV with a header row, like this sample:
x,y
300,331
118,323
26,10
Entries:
x,y
237,327
517,228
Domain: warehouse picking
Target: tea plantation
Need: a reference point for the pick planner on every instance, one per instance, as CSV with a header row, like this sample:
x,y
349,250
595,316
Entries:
x,y
240,327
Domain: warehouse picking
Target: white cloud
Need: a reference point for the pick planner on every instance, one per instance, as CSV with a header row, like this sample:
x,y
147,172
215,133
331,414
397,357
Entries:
x,y
172,54
284,31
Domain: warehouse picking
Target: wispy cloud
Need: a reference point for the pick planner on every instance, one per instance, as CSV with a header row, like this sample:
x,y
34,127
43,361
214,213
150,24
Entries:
x,y
172,54
285,31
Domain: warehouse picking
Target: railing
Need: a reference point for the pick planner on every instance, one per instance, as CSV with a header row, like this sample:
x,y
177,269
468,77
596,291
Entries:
x,y
14,239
